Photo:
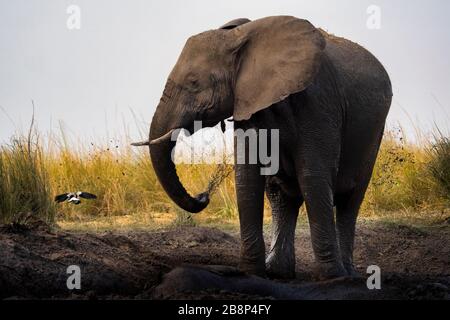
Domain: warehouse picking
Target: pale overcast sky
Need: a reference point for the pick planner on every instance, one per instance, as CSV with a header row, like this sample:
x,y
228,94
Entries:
x,y
119,60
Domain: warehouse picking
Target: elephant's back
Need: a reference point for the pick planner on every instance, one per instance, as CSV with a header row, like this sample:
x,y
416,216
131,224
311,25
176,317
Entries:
x,y
358,69
366,89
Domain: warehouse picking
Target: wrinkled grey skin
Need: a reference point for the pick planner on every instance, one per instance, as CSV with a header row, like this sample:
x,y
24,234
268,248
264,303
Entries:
x,y
330,133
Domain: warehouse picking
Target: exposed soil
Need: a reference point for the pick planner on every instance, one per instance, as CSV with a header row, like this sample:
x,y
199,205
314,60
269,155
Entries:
x,y
175,264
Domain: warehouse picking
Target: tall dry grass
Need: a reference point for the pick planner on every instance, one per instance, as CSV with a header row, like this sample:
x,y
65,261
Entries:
x,y
439,164
25,184
409,175
33,170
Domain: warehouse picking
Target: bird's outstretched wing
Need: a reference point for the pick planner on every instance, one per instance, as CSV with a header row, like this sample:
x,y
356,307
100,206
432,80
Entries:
x,y
61,197
86,195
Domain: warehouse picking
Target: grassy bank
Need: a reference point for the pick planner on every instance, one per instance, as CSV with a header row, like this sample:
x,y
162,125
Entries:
x,y
409,180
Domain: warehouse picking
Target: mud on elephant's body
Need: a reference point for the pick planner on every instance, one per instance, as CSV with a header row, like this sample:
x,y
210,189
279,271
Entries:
x,y
328,97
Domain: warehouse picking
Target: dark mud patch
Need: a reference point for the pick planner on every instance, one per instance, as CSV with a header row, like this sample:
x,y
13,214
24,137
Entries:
x,y
200,263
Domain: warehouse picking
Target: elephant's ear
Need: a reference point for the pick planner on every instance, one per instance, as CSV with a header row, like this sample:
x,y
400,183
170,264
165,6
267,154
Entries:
x,y
234,23
278,56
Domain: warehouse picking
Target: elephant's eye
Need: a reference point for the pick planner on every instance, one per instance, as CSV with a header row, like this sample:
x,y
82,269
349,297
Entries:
x,y
194,83
191,81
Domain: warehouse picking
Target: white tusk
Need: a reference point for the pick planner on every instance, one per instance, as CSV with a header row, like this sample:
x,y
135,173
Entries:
x,y
163,138
140,144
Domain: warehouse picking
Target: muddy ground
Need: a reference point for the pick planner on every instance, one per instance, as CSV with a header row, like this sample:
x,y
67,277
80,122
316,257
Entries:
x,y
173,264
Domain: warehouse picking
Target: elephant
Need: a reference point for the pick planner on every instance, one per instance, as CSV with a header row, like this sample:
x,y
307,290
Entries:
x,y
328,99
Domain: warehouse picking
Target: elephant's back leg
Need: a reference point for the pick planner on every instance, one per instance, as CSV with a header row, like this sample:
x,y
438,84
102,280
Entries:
x,y
347,208
280,261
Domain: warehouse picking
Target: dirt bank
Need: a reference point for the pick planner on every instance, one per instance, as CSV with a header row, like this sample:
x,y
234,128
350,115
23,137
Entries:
x,y
33,263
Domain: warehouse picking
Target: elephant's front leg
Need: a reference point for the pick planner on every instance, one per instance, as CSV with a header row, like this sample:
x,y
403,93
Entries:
x,y
250,198
318,194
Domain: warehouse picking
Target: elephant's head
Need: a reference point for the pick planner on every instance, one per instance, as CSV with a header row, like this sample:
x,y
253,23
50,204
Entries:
x,y
236,70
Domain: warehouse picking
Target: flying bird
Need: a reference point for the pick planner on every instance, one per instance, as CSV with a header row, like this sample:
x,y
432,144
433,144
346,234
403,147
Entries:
x,y
74,197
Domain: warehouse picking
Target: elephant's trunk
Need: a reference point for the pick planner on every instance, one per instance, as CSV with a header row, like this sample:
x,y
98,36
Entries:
x,y
161,156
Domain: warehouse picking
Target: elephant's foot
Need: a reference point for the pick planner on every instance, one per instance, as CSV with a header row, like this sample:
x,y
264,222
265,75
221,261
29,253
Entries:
x,y
351,270
279,266
257,268
253,269
252,257
330,270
